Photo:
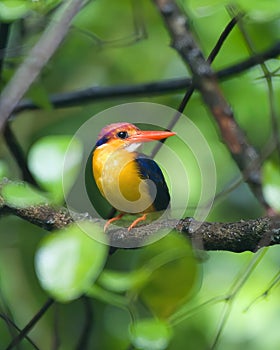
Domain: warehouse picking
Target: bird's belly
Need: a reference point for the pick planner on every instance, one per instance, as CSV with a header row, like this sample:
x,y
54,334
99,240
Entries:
x,y
124,189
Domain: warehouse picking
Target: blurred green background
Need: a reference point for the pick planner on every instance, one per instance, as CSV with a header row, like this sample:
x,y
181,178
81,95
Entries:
x,y
105,47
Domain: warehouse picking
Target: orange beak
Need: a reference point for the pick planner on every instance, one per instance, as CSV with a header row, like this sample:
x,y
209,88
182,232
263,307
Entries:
x,y
147,136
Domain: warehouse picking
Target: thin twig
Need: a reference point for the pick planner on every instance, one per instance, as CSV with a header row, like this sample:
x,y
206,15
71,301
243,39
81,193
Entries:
x,y
269,81
12,324
6,315
213,54
273,284
235,288
83,342
30,325
19,156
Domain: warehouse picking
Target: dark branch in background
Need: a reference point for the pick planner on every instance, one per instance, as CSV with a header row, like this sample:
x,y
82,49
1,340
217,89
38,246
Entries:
x,y
205,81
235,237
30,325
97,93
37,58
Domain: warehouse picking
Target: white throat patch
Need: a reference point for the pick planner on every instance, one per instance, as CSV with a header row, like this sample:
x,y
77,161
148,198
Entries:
x,y
133,147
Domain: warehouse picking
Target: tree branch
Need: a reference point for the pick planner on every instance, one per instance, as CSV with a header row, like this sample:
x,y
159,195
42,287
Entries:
x,y
235,237
188,94
45,216
97,93
244,154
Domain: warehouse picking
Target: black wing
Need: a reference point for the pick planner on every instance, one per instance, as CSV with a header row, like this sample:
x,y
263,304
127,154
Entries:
x,y
149,169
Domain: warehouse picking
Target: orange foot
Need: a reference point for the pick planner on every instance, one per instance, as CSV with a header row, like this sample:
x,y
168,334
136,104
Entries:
x,y
108,223
135,222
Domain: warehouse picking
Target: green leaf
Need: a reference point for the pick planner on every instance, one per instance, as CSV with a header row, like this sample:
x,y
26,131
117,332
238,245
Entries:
x,y
271,183
11,10
107,297
52,169
69,261
150,334
174,274
123,281
22,195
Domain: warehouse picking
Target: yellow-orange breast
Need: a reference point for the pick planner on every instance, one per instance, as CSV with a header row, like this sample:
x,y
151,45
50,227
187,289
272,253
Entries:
x,y
118,179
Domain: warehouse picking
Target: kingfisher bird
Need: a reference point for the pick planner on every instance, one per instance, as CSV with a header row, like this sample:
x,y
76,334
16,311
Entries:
x,y
130,181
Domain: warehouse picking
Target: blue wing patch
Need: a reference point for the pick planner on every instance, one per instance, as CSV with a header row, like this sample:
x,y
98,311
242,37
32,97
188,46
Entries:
x,y
149,169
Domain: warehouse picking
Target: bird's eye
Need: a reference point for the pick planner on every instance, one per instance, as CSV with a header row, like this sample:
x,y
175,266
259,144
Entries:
x,y
122,134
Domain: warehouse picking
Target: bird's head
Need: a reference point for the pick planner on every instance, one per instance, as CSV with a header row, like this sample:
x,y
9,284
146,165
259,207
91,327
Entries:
x,y
128,136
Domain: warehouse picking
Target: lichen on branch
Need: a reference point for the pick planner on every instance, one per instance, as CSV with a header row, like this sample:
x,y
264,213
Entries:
x,y
236,237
